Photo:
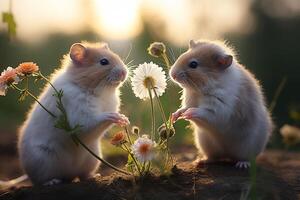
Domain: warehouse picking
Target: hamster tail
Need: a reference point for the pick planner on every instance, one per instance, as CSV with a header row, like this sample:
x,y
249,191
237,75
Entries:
x,y
13,182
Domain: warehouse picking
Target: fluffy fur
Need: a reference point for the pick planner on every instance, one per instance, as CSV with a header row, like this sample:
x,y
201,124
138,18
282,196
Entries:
x,y
225,104
91,99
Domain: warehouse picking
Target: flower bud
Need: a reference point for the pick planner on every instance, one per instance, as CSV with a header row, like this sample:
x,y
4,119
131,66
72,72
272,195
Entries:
x,y
157,49
135,130
163,132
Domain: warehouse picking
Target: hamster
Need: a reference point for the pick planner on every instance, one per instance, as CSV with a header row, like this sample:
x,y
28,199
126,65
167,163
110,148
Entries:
x,y
224,102
90,77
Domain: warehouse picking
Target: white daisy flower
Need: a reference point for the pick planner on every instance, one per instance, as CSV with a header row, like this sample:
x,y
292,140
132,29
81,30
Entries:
x,y
148,75
143,149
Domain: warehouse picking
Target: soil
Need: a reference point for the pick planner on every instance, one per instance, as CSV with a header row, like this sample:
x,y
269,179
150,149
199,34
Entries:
x,y
278,177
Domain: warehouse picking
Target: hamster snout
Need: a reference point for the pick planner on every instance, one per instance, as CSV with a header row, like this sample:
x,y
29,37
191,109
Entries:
x,y
118,74
178,76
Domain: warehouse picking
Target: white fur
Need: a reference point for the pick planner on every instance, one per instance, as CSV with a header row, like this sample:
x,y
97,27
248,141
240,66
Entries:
x,y
48,153
228,112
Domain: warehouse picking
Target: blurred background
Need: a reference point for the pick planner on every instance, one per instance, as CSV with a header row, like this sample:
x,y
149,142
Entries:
x,y
265,33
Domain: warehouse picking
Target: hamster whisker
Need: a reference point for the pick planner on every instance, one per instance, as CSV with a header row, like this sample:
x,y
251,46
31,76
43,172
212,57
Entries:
x,y
127,64
172,54
168,79
128,54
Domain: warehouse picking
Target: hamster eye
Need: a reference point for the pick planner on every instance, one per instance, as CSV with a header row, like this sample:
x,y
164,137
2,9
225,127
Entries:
x,y
193,64
104,61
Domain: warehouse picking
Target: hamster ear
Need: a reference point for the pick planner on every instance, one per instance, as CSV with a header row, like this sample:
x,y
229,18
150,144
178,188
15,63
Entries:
x,y
224,61
192,44
77,53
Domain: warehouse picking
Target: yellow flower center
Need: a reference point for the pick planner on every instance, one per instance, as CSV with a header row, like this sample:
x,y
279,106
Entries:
x,y
149,82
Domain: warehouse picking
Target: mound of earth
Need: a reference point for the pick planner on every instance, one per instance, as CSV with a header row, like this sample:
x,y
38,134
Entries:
x,y
278,177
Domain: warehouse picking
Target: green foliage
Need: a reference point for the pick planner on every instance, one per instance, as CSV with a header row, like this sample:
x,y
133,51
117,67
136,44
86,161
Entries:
x,y
130,164
8,18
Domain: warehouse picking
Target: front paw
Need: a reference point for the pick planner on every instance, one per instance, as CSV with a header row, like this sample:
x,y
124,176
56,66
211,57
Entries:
x,y
176,115
191,114
116,118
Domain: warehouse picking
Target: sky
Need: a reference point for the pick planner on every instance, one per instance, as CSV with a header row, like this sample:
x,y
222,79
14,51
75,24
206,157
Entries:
x,y
175,21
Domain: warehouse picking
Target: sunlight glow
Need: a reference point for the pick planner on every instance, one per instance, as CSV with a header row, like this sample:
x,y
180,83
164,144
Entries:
x,y
117,19
176,21
183,20
36,19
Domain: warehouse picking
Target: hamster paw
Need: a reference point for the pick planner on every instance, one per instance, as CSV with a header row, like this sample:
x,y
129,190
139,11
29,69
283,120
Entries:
x,y
177,114
242,165
53,182
191,113
117,118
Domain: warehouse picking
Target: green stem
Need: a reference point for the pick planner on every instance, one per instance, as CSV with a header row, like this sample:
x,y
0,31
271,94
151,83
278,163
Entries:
x,y
96,156
133,158
27,82
149,166
143,167
161,109
152,114
32,96
165,121
165,57
48,81
277,94
59,97
127,133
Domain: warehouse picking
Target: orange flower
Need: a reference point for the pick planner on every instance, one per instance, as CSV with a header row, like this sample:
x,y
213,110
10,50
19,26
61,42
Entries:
x,y
27,68
119,138
7,77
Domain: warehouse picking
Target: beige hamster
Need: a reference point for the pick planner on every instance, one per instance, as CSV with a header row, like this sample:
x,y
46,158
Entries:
x,y
224,102
90,77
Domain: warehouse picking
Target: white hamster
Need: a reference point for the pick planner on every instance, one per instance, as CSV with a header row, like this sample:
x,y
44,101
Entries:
x,y
90,77
224,101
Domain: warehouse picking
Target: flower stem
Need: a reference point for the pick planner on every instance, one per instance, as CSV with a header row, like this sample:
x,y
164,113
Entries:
x,y
165,122
161,109
152,114
34,97
96,156
165,57
277,94
127,133
133,158
48,81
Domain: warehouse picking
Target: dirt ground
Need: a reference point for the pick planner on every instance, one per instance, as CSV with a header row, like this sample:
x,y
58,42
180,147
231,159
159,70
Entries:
x,y
278,177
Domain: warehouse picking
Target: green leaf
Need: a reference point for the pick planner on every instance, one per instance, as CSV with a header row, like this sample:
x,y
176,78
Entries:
x,y
8,18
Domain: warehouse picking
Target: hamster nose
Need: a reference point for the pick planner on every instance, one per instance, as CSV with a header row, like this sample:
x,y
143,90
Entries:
x,y
122,73
173,74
